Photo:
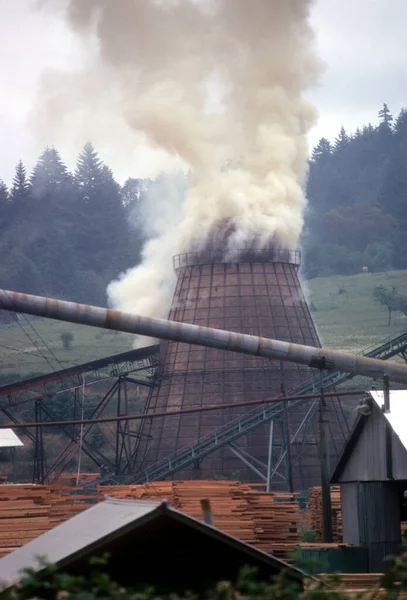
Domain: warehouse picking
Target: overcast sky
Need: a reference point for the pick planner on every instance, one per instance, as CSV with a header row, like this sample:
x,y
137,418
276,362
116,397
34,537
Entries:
x,y
363,43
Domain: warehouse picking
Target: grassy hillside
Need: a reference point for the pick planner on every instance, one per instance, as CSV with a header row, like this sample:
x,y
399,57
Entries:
x,y
343,309
19,355
347,317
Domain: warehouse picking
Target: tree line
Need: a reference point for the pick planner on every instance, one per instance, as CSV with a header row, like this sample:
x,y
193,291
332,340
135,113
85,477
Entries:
x,y
357,191
68,234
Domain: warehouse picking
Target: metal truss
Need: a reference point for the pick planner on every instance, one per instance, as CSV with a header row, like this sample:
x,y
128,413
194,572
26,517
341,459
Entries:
x,y
141,367
272,413
142,359
137,367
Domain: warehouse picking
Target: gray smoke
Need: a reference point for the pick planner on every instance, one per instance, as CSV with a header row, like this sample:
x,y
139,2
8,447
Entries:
x,y
219,85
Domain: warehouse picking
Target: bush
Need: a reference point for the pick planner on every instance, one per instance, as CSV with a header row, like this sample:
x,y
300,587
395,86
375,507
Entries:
x,y
97,584
67,338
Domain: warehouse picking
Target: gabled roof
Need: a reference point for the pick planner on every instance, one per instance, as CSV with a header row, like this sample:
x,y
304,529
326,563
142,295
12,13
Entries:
x,y
396,417
8,439
90,531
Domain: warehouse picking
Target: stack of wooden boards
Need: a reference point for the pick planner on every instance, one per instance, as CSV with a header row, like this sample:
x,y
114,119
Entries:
x,y
270,521
315,512
27,511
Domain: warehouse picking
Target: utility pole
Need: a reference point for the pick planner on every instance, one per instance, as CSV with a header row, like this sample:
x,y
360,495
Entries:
x,y
286,426
325,470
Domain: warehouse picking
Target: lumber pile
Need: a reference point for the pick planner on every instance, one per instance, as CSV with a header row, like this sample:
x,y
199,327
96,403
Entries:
x,y
269,521
277,521
356,585
27,511
315,512
351,584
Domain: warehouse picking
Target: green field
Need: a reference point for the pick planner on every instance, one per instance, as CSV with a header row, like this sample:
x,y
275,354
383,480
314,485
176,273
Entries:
x,y
343,309
25,351
346,315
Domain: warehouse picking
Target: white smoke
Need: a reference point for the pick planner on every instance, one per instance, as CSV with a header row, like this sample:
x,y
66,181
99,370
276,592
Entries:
x,y
212,83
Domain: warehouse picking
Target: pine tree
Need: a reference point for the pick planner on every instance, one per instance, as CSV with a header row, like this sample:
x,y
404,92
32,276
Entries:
x,y
341,141
400,137
400,127
368,131
322,150
4,199
102,233
54,215
131,191
88,173
4,205
50,175
20,193
385,115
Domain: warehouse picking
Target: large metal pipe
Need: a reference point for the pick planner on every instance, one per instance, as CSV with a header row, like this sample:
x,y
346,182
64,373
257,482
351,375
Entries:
x,y
94,316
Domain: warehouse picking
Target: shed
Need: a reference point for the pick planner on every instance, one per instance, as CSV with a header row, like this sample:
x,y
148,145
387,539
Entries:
x,y
8,439
150,543
372,473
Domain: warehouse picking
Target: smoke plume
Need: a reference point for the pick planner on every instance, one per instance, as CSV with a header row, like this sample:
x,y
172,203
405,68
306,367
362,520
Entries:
x,y
218,84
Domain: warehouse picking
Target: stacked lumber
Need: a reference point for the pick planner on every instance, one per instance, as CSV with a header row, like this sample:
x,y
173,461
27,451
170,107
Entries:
x,y
228,504
352,584
269,521
278,522
315,512
27,511
356,585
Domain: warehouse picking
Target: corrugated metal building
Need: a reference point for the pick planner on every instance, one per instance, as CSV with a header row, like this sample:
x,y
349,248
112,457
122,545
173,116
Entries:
x,y
372,473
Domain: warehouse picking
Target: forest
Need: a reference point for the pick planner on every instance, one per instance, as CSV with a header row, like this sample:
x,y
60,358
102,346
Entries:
x,y
68,234
357,192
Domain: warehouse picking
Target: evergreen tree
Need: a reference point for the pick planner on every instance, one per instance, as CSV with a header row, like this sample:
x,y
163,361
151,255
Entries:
x,y
53,246
103,232
131,191
88,174
323,150
20,193
341,141
4,205
347,187
368,131
385,115
50,175
400,127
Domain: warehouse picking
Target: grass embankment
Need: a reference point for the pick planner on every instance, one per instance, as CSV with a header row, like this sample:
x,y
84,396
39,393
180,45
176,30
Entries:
x,y
344,312
346,315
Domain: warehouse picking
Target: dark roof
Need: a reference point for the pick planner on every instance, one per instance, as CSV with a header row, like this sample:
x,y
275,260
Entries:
x,y
107,522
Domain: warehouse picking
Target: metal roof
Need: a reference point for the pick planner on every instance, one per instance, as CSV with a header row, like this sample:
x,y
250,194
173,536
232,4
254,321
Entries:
x,y
8,439
104,522
397,417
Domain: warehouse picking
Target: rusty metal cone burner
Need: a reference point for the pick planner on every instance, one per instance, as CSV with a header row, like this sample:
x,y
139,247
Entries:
x,y
255,294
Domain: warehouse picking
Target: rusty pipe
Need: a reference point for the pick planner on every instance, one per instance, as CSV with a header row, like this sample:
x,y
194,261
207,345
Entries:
x,y
321,358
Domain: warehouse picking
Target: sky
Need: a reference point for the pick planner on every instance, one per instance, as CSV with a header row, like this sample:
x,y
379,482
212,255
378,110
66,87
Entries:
x,y
362,42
